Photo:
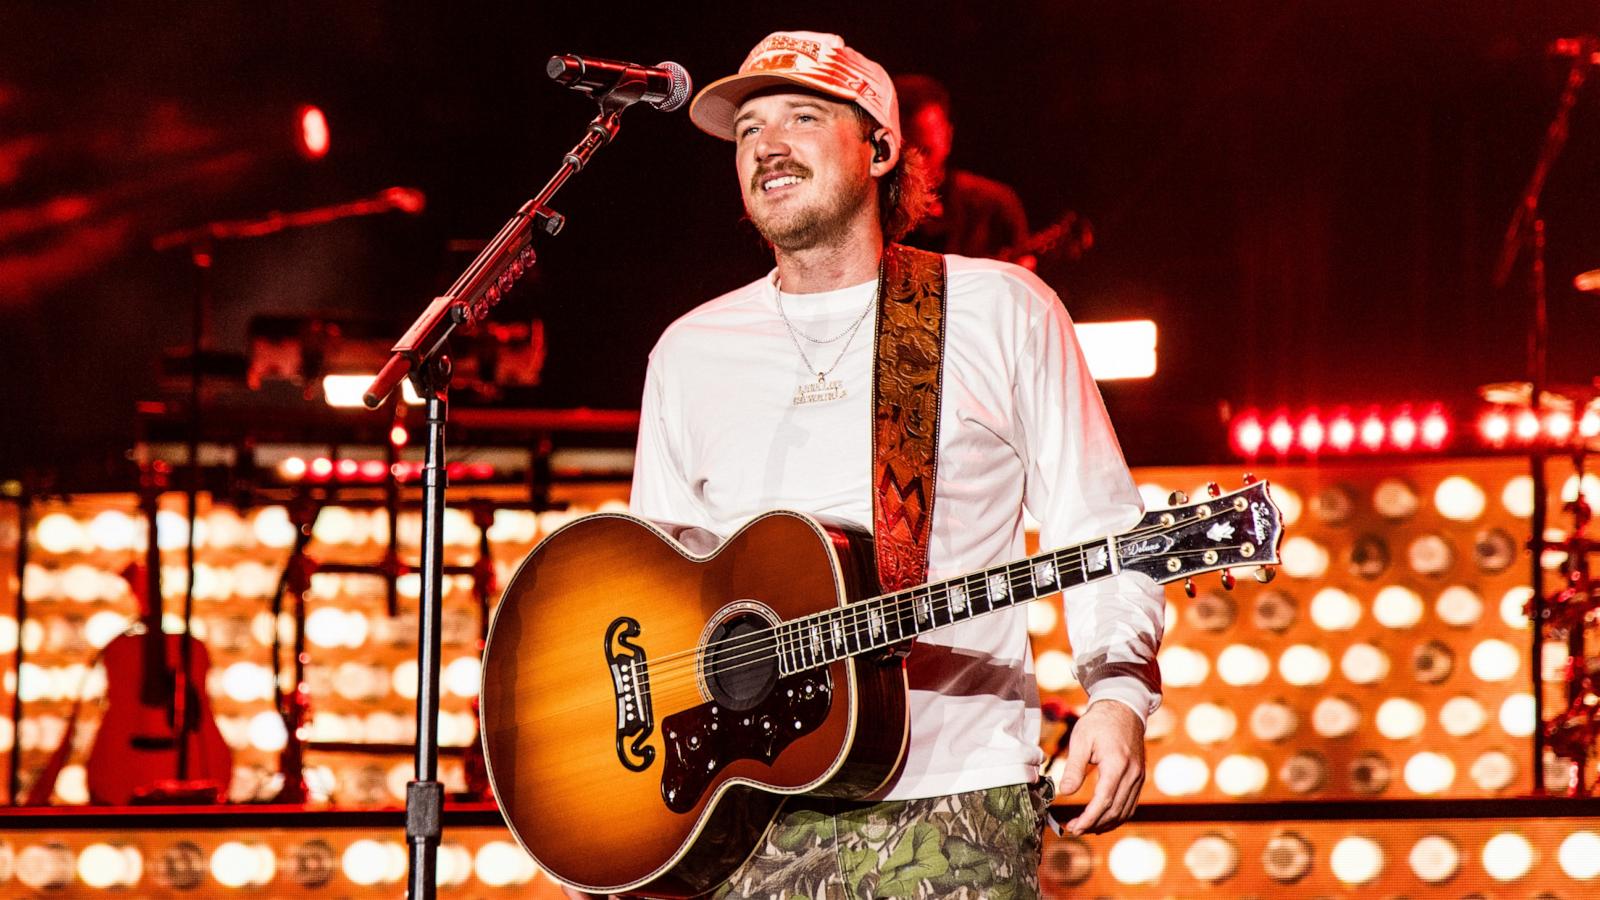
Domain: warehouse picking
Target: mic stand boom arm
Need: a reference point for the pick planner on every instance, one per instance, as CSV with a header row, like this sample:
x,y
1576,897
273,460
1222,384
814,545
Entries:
x,y
419,353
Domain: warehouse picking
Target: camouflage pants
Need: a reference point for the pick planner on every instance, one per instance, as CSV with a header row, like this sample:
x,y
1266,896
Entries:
x,y
982,844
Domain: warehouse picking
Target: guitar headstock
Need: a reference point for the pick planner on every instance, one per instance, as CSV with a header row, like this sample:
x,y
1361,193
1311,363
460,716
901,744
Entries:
x,y
1242,528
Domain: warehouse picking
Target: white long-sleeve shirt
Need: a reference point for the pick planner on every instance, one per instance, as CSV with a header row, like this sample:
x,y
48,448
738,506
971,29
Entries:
x,y
722,439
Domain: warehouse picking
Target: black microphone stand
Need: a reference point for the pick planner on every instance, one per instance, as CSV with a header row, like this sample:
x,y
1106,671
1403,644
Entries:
x,y
420,354
1527,229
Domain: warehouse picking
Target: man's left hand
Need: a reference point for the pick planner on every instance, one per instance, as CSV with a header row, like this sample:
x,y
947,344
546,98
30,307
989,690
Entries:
x,y
1111,737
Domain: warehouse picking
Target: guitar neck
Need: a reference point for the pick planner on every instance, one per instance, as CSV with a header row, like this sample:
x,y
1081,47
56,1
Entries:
x,y
881,622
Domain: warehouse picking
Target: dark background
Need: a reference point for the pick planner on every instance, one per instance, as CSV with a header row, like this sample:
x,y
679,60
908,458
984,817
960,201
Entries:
x,y
1307,197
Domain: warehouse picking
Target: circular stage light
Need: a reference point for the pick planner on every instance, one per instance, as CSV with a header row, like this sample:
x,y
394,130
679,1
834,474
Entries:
x,y
60,533
1183,667
113,531
1356,860
1432,662
455,865
1370,774
1397,607
1579,855
181,867
1303,665
1180,775
1494,771
1275,611
1335,610
1287,857
1208,723
1364,664
1067,861
1517,496
1304,558
1393,498
1430,554
1460,499
45,867
1162,723
1273,721
1042,618
1212,858
1369,557
105,866
461,676
1430,773
1494,551
1399,719
1507,856
1241,665
1239,775
1462,716
1136,860
1053,670
1304,772
1335,717
312,863
365,862
1435,859
1495,660
1459,606
1210,611
1514,606
1516,715
502,863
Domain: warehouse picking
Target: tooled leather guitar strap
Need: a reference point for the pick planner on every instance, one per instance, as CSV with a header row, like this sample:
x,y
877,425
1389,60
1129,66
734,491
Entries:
x,y
908,373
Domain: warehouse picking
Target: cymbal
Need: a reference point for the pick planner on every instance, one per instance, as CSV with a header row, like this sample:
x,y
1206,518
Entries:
x,y
1568,397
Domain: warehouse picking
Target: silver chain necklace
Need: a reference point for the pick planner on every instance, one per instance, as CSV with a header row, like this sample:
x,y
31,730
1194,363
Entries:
x,y
849,333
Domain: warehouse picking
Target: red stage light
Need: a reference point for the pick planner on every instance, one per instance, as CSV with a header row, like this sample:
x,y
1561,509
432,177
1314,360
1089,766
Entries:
x,y
1372,431
292,469
1341,432
1435,428
373,470
398,436
347,468
321,468
1248,434
1589,425
314,137
1403,429
1280,434
1495,427
1558,426
1526,426
1312,433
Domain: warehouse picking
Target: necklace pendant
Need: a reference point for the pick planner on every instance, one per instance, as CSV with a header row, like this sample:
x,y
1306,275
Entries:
x,y
822,378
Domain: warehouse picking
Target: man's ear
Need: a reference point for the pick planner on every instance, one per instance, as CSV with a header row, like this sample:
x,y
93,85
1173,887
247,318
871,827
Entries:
x,y
885,151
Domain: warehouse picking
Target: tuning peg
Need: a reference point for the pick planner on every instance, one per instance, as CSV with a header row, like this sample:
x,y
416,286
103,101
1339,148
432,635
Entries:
x,y
1265,574
1213,489
1249,478
1188,588
1227,580
1177,498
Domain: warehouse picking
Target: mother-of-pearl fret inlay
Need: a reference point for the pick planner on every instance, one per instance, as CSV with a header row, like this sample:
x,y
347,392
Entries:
x,y
816,640
1098,559
1044,574
875,621
958,599
838,633
924,608
998,587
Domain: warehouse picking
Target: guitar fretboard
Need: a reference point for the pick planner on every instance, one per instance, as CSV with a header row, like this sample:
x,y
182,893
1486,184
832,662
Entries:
x,y
880,622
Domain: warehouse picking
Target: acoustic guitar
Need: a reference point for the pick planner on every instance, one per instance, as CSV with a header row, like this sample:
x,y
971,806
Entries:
x,y
137,752
645,709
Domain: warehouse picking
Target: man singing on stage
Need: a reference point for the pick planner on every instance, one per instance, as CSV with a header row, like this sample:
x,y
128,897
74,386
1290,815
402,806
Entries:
x,y
765,398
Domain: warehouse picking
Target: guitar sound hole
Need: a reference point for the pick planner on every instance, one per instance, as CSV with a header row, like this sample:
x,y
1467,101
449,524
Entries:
x,y
741,663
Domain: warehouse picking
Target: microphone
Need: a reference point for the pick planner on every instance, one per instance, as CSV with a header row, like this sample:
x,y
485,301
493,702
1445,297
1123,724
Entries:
x,y
665,86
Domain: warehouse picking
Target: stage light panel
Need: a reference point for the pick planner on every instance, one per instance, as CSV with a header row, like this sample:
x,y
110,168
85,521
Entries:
x,y
272,528
1356,860
1136,860
1212,858
1495,660
1364,664
1242,665
60,533
1287,857
1579,855
1459,498
1304,558
1394,498
1208,723
1180,774
1459,606
1435,859
1399,719
1507,856
1273,721
1462,716
1303,665
1517,496
1241,775
1183,667
1516,715
1334,610
1493,771
1335,717
267,732
1428,773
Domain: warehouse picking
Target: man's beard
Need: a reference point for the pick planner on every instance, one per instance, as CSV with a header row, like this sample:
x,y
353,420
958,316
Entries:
x,y
817,225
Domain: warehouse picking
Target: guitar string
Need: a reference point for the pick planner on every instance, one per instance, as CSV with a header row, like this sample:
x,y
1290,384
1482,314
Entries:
x,y
760,649
896,602
908,593
763,649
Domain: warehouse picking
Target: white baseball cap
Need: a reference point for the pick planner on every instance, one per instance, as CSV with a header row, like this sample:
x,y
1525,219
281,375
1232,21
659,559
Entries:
x,y
809,59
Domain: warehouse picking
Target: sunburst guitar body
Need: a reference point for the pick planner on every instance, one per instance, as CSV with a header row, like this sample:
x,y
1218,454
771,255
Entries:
x,y
645,709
